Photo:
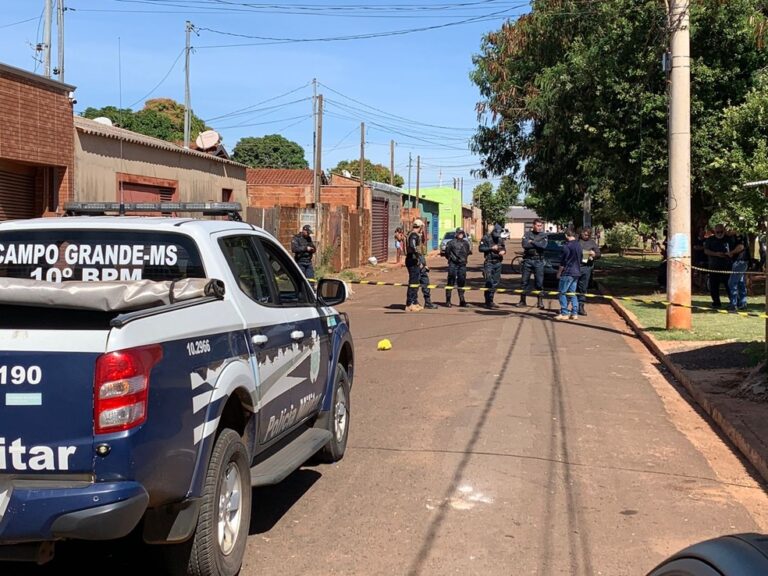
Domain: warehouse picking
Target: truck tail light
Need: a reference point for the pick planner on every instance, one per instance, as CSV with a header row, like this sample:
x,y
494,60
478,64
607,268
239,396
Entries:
x,y
121,388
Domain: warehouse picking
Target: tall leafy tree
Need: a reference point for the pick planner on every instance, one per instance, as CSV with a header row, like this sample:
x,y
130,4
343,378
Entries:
x,y
494,203
273,151
574,95
375,172
161,118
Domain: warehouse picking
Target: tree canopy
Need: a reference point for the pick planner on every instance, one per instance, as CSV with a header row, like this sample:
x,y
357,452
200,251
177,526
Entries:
x,y
574,96
161,118
375,172
495,203
272,151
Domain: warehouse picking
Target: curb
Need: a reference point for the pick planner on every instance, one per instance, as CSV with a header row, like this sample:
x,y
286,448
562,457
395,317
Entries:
x,y
739,438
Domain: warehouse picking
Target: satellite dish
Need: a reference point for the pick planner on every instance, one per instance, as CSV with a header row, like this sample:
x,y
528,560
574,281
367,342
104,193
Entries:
x,y
346,173
103,120
208,139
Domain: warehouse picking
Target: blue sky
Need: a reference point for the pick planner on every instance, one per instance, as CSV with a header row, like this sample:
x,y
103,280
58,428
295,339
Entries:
x,y
422,78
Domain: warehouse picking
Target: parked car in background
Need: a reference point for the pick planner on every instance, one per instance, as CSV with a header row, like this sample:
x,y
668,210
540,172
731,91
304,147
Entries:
x,y
450,236
552,256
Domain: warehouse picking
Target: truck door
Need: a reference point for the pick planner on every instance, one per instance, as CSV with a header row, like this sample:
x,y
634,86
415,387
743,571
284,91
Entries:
x,y
308,344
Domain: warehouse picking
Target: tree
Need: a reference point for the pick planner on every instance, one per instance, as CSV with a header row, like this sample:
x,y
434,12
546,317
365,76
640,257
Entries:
x,y
374,172
494,203
161,118
573,95
273,151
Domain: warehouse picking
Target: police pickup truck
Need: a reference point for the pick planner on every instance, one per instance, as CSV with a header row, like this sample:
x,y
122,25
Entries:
x,y
153,370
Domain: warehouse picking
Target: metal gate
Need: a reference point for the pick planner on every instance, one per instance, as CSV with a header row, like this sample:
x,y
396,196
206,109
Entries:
x,y
380,227
435,232
17,195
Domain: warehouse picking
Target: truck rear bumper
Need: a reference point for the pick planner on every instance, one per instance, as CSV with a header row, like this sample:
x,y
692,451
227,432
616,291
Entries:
x,y
97,511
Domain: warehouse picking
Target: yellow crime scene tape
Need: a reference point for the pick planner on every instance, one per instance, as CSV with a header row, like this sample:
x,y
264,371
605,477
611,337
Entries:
x,y
645,301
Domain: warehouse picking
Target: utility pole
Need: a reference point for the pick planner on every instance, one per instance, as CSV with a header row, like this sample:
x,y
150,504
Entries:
x,y
410,163
587,210
47,38
60,27
418,178
317,178
314,137
361,195
187,103
391,162
679,192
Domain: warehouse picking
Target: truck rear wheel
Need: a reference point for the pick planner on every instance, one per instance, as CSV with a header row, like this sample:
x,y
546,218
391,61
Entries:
x,y
218,545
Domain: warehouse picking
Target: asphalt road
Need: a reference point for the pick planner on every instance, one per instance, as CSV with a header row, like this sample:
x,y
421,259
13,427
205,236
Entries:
x,y
496,443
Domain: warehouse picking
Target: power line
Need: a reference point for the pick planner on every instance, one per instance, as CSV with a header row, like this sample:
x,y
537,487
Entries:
x,y
365,36
161,81
278,120
241,110
19,22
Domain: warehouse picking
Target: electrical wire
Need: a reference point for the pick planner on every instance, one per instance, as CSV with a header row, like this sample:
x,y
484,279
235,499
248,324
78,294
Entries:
x,y
148,94
19,22
369,35
241,110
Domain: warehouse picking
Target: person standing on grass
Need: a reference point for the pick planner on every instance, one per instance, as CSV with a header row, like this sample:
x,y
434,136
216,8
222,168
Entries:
x,y
568,274
737,286
717,249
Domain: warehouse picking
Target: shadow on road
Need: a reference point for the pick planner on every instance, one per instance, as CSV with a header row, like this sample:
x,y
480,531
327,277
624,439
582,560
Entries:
x,y
270,503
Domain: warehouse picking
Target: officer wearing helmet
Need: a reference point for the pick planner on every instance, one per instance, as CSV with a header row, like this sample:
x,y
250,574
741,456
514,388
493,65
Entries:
x,y
457,251
493,246
418,273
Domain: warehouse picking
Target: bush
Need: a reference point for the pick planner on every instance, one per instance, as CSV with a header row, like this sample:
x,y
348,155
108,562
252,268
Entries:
x,y
621,237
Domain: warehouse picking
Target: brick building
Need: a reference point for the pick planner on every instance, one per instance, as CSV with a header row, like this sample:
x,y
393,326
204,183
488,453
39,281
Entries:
x,y
36,144
269,187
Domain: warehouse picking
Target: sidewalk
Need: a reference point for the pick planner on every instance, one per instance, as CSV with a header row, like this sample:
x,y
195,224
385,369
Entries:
x,y
743,421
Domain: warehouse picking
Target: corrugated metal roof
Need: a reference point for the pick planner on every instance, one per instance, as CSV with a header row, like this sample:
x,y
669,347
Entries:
x,y
280,176
88,126
521,213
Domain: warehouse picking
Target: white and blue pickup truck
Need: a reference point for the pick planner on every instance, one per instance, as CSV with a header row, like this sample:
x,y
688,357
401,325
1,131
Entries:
x,y
153,370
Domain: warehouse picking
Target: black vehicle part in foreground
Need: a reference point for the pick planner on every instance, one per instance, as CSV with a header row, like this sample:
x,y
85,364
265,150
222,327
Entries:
x,y
737,555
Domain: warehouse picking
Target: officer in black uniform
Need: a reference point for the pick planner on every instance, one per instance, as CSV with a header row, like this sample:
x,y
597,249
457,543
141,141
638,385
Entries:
x,y
418,273
457,251
303,249
534,243
494,248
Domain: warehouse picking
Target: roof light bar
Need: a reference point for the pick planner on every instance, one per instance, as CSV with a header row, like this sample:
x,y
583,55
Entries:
x,y
231,209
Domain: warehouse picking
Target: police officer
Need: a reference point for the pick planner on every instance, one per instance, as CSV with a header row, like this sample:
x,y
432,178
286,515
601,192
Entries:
x,y
534,243
418,273
494,248
457,251
303,249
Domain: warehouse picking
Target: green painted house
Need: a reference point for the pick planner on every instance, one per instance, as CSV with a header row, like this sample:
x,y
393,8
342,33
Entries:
x,y
449,202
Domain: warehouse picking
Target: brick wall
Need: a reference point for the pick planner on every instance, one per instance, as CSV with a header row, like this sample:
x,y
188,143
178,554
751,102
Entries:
x,y
36,126
336,196
266,196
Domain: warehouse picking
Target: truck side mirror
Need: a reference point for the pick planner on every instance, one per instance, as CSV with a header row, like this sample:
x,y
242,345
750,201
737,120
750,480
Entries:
x,y
331,292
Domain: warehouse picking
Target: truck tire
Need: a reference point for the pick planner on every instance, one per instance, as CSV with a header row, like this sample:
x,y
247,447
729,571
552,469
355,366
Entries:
x,y
338,423
218,545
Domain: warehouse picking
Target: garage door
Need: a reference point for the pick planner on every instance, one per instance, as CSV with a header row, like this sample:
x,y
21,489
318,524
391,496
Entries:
x,y
380,225
17,193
